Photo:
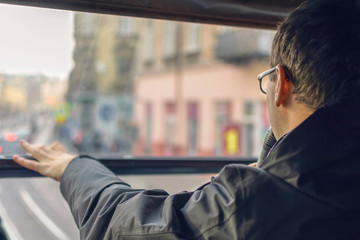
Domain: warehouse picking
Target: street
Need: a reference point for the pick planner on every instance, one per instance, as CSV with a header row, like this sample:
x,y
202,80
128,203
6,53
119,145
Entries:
x,y
33,208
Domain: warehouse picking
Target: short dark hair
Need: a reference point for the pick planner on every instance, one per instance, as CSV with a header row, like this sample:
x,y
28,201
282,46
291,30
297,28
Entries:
x,y
319,43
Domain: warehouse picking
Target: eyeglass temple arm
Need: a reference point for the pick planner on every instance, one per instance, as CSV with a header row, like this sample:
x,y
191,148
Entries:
x,y
261,75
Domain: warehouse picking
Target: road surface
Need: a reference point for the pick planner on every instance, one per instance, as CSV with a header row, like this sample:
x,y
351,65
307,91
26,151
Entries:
x,y
33,208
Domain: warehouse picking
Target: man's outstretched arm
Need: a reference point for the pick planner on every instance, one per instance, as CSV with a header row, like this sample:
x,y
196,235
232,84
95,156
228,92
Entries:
x,y
105,207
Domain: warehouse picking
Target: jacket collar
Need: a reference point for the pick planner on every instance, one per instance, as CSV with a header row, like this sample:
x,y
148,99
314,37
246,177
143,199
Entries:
x,y
321,152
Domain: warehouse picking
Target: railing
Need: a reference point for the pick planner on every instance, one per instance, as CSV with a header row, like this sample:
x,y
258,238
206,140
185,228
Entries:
x,y
130,165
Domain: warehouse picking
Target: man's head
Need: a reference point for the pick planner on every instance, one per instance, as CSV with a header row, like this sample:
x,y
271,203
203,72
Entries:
x,y
318,48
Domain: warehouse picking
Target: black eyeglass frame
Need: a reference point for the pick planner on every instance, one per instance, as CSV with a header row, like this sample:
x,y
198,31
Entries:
x,y
264,74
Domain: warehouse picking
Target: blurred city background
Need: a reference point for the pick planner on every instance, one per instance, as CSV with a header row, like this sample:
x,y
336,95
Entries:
x,y
127,86
145,87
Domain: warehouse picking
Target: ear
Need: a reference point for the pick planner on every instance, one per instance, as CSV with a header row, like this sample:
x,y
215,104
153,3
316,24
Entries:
x,y
283,86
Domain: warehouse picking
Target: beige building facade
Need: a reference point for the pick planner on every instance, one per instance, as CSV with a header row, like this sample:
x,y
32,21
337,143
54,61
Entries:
x,y
208,88
185,103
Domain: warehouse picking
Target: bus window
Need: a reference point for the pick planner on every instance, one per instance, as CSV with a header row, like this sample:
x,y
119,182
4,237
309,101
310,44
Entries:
x,y
123,86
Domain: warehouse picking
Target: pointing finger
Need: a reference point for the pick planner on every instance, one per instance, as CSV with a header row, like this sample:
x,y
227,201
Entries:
x,y
36,151
27,146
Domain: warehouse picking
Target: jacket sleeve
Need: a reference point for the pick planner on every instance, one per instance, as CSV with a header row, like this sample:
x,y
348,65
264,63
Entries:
x,y
105,207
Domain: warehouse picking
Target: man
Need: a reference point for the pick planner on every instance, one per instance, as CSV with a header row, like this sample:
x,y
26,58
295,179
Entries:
x,y
307,186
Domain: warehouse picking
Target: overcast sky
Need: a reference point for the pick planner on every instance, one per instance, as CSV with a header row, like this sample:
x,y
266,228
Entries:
x,y
35,40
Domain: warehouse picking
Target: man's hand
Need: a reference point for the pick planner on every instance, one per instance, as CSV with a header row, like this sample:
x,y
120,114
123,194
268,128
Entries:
x,y
52,161
253,164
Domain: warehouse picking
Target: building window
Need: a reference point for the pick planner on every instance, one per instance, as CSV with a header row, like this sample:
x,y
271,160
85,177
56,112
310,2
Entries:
x,y
264,42
255,125
88,24
248,141
193,39
226,29
127,26
148,128
170,129
193,127
249,108
149,41
169,39
222,118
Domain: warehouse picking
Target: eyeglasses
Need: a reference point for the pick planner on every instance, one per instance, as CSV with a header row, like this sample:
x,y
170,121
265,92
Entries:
x,y
264,79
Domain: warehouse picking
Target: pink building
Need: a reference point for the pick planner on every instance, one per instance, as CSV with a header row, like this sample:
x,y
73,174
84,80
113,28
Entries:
x,y
212,98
